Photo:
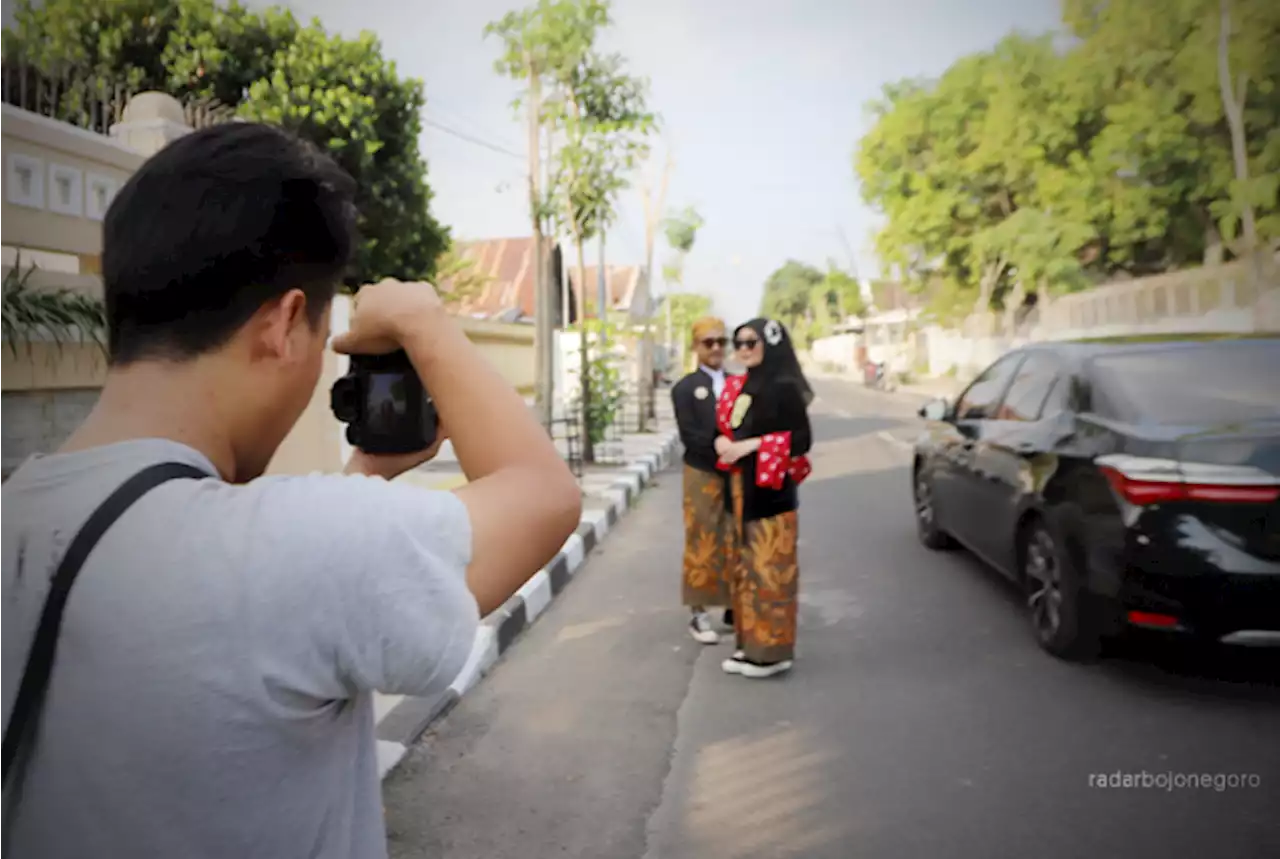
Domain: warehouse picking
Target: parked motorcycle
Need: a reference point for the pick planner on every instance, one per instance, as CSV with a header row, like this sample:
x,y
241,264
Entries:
x,y
876,376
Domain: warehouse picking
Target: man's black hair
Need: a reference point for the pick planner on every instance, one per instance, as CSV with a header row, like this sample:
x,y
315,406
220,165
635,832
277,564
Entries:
x,y
214,226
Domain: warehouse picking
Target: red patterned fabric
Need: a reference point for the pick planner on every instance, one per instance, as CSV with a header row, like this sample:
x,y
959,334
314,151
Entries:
x,y
724,406
773,461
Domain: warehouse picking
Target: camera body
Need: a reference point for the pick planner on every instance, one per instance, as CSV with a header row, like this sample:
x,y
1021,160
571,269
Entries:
x,y
384,405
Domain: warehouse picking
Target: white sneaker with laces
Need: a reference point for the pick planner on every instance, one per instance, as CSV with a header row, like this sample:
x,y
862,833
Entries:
x,y
700,629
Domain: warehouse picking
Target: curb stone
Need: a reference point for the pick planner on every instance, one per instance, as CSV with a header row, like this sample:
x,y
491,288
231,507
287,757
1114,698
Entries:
x,y
407,719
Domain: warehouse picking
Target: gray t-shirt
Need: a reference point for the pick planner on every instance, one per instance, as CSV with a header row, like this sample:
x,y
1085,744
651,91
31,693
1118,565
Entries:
x,y
212,695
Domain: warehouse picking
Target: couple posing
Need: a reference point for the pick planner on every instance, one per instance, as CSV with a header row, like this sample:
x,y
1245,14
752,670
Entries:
x,y
746,440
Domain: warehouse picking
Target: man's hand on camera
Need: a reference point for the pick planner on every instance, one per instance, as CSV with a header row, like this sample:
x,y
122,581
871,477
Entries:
x,y
383,314
390,466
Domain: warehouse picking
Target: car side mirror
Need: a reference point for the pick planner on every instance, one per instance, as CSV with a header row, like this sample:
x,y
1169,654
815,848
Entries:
x,y
935,410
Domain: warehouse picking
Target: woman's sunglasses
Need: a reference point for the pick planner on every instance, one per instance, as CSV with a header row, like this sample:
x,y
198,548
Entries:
x,y
743,344
713,342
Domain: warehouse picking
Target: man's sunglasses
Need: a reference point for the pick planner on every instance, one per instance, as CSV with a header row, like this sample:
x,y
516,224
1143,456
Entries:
x,y
744,343
713,342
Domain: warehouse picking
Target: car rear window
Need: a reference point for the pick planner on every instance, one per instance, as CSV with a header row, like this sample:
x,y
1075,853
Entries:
x,y
1220,382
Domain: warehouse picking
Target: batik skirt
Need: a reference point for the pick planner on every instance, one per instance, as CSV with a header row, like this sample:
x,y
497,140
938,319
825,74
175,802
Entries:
x,y
709,539
764,583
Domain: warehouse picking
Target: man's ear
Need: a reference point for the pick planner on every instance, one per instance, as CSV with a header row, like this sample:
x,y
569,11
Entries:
x,y
276,325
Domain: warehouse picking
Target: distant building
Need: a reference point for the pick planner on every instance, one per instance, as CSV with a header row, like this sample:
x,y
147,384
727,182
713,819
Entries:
x,y
508,266
623,284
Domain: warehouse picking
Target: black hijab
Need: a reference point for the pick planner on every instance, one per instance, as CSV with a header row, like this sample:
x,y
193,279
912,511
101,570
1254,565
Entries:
x,y
780,365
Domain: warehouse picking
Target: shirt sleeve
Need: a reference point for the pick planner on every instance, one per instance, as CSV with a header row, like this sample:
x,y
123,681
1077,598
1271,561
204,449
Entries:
x,y
794,416
773,460
410,621
783,452
379,584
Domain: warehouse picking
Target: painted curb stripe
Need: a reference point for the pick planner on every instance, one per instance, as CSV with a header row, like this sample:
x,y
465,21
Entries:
x,y
409,718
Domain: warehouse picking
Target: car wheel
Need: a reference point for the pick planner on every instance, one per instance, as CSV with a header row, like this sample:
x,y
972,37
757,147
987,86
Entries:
x,y
926,516
1062,617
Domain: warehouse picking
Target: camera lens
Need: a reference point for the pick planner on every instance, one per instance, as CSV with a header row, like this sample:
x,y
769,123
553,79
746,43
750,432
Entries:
x,y
344,399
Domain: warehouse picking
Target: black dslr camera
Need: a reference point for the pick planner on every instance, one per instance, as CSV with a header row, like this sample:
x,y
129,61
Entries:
x,y
384,405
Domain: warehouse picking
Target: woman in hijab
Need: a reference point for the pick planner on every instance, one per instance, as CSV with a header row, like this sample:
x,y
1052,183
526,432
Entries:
x,y
764,441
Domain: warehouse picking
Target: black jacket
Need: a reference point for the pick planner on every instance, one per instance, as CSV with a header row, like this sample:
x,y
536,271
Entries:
x,y
696,418
778,407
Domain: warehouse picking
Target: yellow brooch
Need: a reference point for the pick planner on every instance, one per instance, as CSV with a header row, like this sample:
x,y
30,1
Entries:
x,y
740,407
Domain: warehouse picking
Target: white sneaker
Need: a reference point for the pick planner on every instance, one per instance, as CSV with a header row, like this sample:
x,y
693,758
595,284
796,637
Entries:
x,y
734,664
759,672
700,629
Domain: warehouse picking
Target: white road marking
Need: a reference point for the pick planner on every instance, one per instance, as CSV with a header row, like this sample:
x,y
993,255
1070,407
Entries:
x,y
843,413
896,442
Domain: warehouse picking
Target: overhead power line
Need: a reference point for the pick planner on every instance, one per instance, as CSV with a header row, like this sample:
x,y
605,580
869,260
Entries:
x,y
462,135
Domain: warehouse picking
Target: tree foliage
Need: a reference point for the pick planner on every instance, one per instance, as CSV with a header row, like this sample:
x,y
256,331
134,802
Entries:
x,y
811,302
459,278
843,292
681,230
603,115
789,297
597,114
1038,166
339,93
686,309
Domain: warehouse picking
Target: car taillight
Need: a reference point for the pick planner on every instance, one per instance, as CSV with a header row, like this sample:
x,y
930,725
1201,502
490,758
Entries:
x,y
1143,481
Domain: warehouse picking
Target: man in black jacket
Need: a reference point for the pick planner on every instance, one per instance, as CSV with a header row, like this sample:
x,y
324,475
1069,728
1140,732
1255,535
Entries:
x,y
709,547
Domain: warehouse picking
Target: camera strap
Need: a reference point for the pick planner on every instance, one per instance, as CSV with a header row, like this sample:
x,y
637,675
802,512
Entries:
x,y
35,677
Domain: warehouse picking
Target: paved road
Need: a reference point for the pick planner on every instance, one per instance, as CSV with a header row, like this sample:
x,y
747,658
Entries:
x,y
920,720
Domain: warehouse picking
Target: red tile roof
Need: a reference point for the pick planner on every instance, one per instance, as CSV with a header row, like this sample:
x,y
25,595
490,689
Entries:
x,y
508,263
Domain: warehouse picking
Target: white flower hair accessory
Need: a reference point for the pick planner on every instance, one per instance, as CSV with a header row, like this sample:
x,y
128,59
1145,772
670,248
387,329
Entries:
x,y
772,332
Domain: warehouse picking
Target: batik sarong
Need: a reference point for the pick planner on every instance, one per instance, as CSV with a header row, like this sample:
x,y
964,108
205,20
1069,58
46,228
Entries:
x,y
765,583
708,541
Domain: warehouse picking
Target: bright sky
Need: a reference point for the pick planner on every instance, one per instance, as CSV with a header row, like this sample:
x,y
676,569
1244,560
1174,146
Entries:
x,y
762,102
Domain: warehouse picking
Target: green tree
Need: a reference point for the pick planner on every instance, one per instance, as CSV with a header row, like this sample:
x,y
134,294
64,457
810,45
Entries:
x,y
598,115
684,309
1167,128
339,93
342,95
536,40
788,297
843,291
949,161
1033,168
681,230
605,120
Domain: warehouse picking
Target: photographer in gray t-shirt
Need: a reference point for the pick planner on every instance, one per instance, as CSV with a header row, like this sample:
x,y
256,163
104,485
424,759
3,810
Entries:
x,y
212,689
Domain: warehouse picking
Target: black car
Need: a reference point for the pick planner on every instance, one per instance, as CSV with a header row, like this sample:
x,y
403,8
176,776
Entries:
x,y
1121,484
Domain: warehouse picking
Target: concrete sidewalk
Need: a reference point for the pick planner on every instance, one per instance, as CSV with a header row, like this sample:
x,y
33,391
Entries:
x,y
609,492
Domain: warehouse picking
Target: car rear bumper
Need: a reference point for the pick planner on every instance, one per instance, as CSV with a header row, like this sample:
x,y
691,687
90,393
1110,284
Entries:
x,y
1219,605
